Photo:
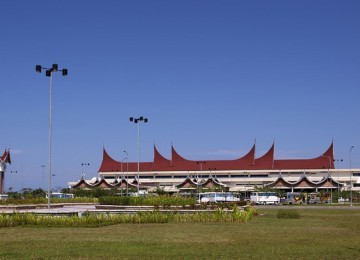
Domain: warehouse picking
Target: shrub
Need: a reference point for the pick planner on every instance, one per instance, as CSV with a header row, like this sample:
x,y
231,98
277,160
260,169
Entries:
x,y
157,201
34,201
88,219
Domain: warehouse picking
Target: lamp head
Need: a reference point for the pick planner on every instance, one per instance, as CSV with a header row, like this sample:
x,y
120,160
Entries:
x,y
38,68
55,67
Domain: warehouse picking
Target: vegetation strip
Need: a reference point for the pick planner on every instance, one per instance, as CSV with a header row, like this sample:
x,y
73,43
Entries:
x,y
88,219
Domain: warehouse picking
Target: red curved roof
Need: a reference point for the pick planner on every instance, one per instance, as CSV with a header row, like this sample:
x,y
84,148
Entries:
x,y
304,182
322,162
108,164
247,162
266,161
160,162
178,163
5,158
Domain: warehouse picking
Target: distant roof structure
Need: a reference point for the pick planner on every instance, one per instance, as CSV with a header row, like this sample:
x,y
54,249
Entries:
x,y
247,162
5,158
304,183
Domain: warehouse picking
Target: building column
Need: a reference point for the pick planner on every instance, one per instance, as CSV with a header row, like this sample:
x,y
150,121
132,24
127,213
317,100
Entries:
x,y
2,182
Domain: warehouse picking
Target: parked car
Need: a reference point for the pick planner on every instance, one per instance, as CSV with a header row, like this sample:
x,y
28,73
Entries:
x,y
343,200
4,196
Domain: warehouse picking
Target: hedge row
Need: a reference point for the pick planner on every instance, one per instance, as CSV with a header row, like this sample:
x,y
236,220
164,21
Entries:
x,y
97,220
157,201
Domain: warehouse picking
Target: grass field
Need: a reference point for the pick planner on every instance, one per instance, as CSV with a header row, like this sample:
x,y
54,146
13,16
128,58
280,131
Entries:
x,y
329,233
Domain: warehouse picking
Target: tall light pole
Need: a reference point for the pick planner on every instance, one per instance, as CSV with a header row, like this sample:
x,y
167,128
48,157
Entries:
x,y
13,178
338,160
127,172
197,182
84,170
351,177
329,174
48,73
42,176
138,121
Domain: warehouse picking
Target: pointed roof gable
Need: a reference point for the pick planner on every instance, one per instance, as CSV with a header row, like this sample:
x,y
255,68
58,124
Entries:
x,y
160,162
250,156
212,183
304,182
103,184
329,182
247,162
321,162
122,184
180,163
5,158
108,164
187,183
267,160
280,182
82,184
329,156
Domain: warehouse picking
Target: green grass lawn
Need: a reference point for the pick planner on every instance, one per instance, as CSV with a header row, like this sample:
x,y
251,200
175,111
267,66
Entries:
x,y
329,233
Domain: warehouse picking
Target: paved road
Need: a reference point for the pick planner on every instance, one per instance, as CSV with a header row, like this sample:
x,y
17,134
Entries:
x,y
75,208
325,207
79,208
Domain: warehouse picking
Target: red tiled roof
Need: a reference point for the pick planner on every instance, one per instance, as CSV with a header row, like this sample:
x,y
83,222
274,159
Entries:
x,y
5,158
247,162
321,162
266,161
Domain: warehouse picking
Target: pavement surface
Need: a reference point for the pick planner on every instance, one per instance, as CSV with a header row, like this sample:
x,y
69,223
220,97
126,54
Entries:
x,y
65,209
80,208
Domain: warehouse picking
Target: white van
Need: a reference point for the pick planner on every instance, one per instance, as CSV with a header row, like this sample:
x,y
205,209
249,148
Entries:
x,y
60,195
264,198
217,197
4,196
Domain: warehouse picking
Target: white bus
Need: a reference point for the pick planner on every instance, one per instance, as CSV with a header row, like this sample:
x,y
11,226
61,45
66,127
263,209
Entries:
x,y
4,196
263,198
60,195
217,197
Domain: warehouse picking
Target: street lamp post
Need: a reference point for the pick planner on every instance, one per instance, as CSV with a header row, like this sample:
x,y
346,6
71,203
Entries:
x,y
197,183
122,173
48,73
338,160
212,169
127,173
84,170
42,176
329,175
13,178
138,121
351,177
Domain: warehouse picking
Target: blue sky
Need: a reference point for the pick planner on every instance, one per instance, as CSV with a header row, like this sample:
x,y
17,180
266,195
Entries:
x,y
211,77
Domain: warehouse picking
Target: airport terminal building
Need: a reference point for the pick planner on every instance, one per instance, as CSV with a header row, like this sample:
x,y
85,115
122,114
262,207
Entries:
x,y
243,174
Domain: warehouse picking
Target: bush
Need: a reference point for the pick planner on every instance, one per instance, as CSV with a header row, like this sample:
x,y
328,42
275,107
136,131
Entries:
x,y
288,213
156,201
36,201
97,220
